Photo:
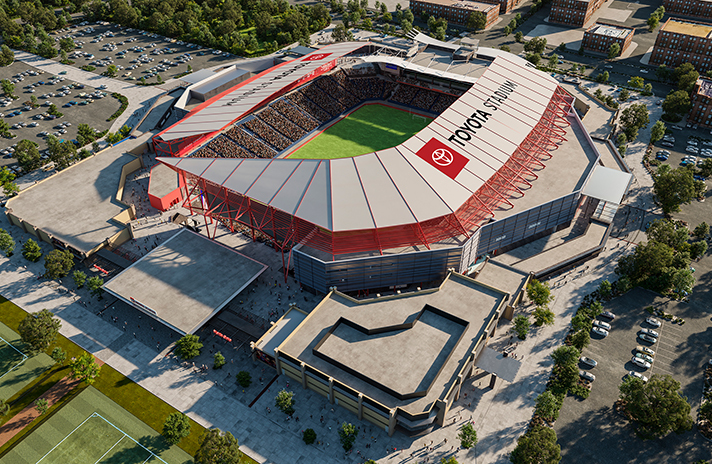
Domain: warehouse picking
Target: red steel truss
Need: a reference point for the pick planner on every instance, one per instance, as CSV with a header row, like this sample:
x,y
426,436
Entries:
x,y
239,212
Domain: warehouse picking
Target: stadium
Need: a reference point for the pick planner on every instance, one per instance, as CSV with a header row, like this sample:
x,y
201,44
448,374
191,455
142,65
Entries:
x,y
371,168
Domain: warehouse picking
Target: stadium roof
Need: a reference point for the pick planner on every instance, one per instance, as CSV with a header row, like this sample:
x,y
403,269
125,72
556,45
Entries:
x,y
241,100
430,175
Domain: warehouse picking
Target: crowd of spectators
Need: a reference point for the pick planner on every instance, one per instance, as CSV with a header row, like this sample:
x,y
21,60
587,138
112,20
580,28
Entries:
x,y
299,100
321,98
299,117
226,148
443,102
404,94
425,99
259,149
361,71
268,134
283,125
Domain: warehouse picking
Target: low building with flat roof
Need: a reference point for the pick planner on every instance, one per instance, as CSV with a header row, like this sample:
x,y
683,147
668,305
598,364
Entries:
x,y
396,361
683,41
600,36
185,281
456,11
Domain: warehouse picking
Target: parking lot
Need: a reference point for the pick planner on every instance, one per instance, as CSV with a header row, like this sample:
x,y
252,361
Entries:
x,y
683,142
137,53
93,113
681,351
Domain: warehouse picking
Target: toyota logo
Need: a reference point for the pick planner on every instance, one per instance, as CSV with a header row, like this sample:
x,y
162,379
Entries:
x,y
442,157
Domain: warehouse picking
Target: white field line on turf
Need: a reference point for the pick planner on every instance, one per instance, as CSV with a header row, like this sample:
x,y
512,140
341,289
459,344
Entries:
x,y
24,357
130,438
93,415
107,452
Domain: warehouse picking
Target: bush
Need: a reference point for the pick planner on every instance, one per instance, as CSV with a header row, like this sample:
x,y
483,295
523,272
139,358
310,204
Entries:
x,y
244,379
521,326
58,355
309,436
31,251
580,391
218,360
88,67
124,104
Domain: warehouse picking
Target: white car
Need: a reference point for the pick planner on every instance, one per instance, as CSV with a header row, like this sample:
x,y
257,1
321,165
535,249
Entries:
x,y
654,322
640,363
600,331
601,324
587,376
650,332
637,375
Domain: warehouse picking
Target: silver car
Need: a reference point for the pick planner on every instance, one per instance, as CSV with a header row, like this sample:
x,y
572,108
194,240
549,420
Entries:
x,y
650,332
601,324
587,376
640,363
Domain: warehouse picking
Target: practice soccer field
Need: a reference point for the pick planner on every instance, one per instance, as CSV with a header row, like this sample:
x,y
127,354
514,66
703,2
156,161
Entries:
x,y
92,429
369,128
16,368
10,357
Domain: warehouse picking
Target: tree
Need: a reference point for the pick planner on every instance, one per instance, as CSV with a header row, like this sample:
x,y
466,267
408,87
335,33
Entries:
x,y
521,326
677,103
188,347
58,263
547,406
539,292
477,20
341,34
7,56
581,339
7,244
553,61
27,155
662,73
614,50
506,31
59,355
624,95
505,48
512,24
347,435
41,405
244,379
657,406
636,82
518,36
633,118
538,445
94,284
46,50
31,251
698,249
218,360
543,316
605,289
467,436
218,448
309,436
285,401
176,427
6,176
159,79
533,58
566,355
79,278
657,131
111,71
4,408
653,22
536,45
66,44
7,87
648,89
84,368
39,330
603,77
687,81
702,230
673,187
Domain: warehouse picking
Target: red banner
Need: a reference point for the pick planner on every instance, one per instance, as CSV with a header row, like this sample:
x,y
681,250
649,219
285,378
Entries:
x,y
316,56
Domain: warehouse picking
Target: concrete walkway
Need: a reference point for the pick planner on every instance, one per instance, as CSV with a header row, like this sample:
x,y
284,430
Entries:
x,y
140,97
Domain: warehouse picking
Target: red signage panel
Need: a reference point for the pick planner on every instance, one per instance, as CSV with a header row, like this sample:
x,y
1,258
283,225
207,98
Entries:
x,y
316,56
442,157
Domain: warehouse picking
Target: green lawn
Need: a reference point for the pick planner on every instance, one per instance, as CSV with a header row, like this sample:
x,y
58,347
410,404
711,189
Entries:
x,y
369,128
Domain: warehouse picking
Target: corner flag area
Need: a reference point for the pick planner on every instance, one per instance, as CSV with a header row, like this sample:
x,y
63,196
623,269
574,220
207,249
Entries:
x,y
369,128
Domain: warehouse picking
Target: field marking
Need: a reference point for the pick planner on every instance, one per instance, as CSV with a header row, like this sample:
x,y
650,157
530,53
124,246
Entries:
x,y
125,435
109,450
24,357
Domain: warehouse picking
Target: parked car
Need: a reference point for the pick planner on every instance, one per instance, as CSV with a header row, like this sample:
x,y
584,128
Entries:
x,y
663,152
650,332
601,324
647,338
587,376
608,314
588,362
654,322
644,357
637,375
640,363
645,349
600,331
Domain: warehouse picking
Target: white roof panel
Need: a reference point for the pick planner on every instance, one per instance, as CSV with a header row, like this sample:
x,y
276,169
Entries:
x,y
351,210
245,175
386,202
293,189
316,203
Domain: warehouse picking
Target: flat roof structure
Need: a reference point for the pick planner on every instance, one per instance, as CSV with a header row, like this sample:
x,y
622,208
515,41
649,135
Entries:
x,y
610,30
76,205
163,180
402,350
704,87
692,28
185,281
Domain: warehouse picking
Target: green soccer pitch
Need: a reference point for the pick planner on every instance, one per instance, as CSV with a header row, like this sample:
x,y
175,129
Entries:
x,y
369,128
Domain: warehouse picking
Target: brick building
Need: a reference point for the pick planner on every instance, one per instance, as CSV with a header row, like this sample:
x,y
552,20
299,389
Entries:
x,y
573,12
701,112
599,37
683,41
505,6
695,8
456,11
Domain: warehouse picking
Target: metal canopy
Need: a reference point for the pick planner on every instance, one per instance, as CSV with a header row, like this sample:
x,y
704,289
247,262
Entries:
x,y
440,182
234,104
495,363
607,184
